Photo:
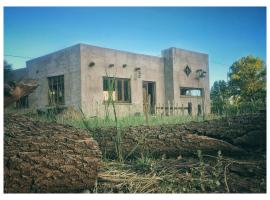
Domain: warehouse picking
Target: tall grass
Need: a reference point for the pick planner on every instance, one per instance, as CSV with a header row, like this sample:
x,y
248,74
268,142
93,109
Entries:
x,y
110,101
135,121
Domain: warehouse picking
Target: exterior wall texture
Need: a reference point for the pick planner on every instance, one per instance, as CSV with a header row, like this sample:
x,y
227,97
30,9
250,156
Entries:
x,y
175,77
64,62
92,77
84,83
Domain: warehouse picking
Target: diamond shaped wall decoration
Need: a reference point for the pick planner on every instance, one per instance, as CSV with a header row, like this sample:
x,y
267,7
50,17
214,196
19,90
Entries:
x,y
187,70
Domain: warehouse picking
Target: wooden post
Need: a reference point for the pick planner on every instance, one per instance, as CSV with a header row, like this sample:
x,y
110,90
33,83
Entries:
x,y
149,104
164,111
182,109
173,107
203,109
155,106
146,110
169,108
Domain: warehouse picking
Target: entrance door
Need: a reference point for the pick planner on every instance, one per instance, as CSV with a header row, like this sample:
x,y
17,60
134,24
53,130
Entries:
x,y
149,96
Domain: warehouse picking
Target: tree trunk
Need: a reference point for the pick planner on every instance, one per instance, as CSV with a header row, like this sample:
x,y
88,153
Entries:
x,y
233,136
47,157
158,141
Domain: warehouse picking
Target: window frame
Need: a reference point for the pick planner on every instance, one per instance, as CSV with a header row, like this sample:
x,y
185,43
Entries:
x,y
191,88
116,88
57,81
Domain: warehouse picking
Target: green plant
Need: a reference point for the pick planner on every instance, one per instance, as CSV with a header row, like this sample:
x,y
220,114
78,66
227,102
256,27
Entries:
x,y
110,101
205,177
144,164
135,121
247,79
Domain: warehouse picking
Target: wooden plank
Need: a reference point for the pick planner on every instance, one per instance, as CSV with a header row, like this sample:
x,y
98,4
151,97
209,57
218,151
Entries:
x,y
182,109
169,108
173,107
164,113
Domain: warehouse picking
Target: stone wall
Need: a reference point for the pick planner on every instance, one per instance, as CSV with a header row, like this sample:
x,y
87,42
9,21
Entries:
x,y
234,136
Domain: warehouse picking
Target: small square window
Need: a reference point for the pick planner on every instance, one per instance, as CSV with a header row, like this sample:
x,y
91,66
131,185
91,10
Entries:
x,y
187,70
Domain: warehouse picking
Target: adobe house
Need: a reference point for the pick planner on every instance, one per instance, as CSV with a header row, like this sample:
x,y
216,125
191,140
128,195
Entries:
x,y
79,76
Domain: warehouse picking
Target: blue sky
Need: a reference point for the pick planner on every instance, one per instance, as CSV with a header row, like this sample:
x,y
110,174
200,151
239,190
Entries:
x,y
225,33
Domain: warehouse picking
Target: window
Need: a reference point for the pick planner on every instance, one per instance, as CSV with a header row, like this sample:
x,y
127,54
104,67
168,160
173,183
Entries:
x,y
195,92
56,90
22,102
119,86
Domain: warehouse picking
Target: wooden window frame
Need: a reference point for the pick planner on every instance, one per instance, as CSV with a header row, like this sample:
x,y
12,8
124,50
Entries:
x,y
59,82
191,88
117,80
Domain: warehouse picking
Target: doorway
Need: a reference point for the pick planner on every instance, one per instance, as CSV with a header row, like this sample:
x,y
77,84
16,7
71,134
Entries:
x,y
149,96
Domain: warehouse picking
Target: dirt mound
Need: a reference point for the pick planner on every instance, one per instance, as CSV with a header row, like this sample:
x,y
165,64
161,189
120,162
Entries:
x,y
47,157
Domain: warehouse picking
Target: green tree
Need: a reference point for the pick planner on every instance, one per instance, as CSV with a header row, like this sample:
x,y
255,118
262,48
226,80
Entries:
x,y
247,79
219,97
8,72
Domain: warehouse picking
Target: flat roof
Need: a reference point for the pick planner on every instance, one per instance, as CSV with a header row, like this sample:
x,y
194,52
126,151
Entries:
x,y
84,44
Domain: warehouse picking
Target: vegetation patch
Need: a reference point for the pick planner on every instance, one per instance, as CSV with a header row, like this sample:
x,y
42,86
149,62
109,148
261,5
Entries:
x,y
201,174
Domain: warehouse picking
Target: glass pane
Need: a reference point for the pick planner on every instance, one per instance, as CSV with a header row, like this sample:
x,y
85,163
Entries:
x,y
126,91
105,84
119,90
56,90
196,92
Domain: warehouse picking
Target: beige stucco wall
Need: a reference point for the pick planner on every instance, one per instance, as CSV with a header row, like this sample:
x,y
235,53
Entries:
x,y
92,78
178,59
84,84
64,62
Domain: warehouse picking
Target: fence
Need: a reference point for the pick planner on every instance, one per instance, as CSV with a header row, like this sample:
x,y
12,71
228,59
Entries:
x,y
159,109
170,109
99,109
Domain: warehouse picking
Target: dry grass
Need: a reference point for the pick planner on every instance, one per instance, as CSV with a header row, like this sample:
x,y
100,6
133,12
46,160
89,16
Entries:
x,y
117,177
184,175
